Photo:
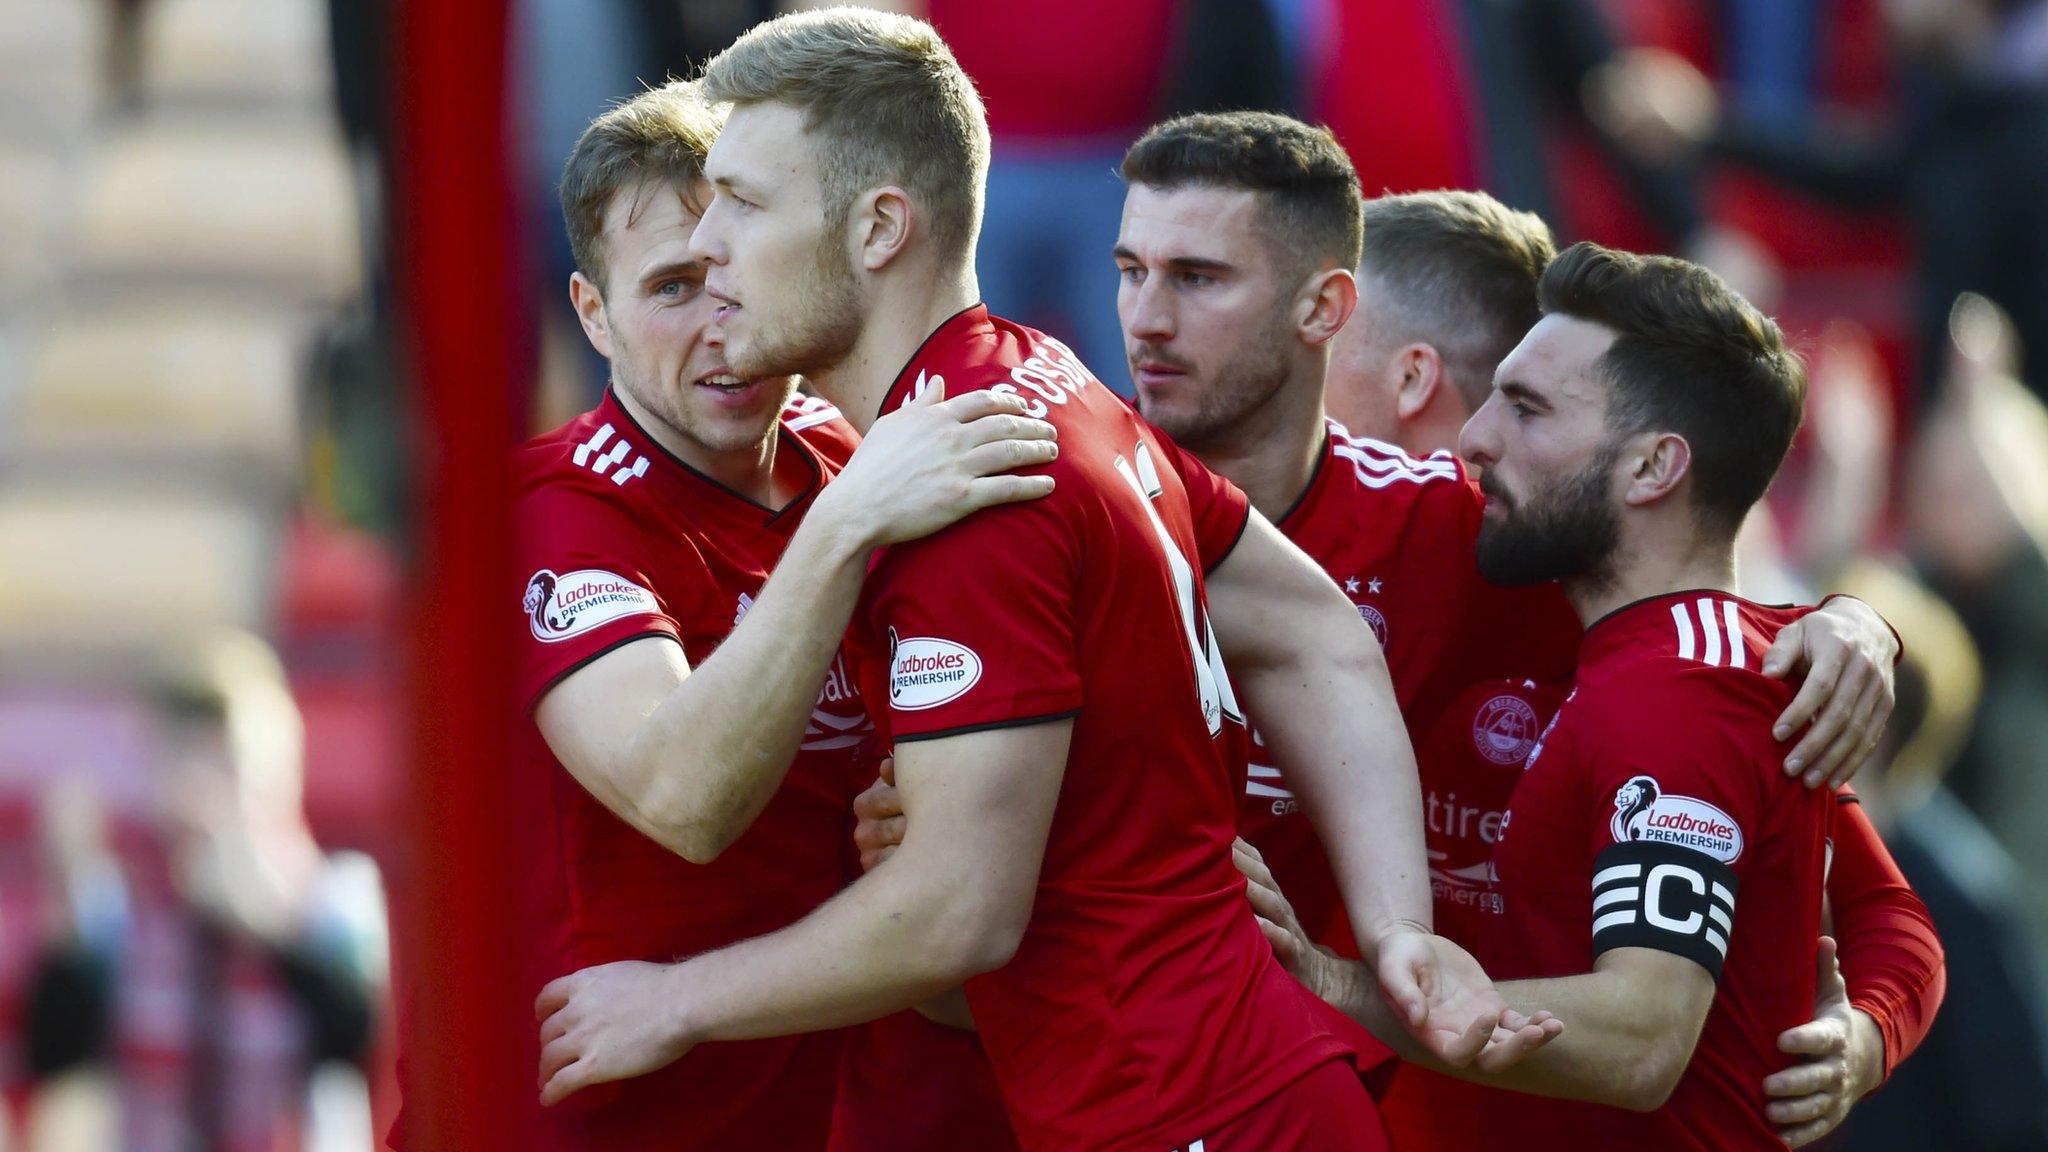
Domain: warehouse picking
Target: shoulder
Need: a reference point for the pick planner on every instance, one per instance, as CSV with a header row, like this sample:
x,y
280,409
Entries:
x,y
1681,704
591,453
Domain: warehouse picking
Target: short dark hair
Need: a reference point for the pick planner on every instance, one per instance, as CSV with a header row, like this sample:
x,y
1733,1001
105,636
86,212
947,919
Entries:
x,y
1308,180
1690,356
1459,271
659,137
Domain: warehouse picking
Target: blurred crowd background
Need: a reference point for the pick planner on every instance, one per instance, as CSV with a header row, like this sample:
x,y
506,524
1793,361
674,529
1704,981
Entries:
x,y
208,442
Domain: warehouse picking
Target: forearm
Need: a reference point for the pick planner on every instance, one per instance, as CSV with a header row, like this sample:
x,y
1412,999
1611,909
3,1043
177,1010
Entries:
x,y
1621,1046
1891,958
707,759
1332,724
886,943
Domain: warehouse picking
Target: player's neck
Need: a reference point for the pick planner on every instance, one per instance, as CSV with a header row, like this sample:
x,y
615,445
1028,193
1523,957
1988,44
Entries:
x,y
1271,454
906,310
1645,569
750,472
1434,429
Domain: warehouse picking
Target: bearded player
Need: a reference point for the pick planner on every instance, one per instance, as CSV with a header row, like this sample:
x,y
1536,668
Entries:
x,y
1446,285
1064,736
664,669
1657,875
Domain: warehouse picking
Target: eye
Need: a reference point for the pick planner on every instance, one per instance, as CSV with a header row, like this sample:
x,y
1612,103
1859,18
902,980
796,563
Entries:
x,y
1197,279
675,289
1131,272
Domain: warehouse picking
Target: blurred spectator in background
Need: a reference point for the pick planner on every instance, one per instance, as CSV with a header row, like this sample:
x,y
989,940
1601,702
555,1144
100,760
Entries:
x,y
218,978
1963,155
1976,518
1479,94
1979,1081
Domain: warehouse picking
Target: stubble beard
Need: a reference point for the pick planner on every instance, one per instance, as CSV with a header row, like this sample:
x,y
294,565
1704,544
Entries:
x,y
672,408
1569,533
1244,385
820,330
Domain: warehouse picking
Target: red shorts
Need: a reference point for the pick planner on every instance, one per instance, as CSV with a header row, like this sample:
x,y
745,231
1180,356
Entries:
x,y
1327,1110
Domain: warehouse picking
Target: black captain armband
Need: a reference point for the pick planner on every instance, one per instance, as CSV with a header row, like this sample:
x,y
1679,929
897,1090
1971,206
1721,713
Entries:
x,y
1673,899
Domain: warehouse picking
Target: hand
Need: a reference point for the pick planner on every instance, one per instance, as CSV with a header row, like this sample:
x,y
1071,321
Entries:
x,y
1441,994
934,461
610,1022
1322,971
879,822
1847,653
1843,1061
1291,944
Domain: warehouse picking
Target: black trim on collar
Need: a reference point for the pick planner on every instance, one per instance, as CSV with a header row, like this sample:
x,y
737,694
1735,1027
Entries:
x,y
783,437
1322,457
921,346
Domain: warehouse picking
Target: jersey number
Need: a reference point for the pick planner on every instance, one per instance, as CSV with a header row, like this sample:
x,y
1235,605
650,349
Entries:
x,y
1218,702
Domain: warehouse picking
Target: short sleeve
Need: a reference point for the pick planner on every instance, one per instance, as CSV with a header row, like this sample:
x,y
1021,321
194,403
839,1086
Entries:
x,y
977,624
1220,509
1671,815
587,583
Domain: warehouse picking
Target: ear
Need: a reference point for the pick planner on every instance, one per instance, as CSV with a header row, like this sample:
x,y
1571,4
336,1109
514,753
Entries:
x,y
1419,372
882,223
1327,301
589,305
1658,463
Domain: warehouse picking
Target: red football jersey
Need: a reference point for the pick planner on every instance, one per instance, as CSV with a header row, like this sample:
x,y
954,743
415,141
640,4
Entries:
x,y
1398,533
1143,1008
1653,813
620,541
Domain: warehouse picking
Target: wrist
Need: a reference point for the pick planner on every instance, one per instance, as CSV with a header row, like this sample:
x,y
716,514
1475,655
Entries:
x,y
842,535
683,1024
1866,1048
1370,943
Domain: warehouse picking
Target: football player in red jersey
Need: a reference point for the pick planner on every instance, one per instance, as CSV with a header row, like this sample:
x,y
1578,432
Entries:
x,y
648,528
1447,285
1625,439
1050,682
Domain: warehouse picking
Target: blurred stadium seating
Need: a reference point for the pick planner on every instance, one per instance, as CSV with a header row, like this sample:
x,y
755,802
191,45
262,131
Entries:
x,y
184,225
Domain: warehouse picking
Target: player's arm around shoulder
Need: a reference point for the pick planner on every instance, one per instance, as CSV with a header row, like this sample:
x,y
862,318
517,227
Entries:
x,y
690,757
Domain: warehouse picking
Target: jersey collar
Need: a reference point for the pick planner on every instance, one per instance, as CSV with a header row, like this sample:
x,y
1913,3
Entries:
x,y
1286,520
1648,623
912,380
668,463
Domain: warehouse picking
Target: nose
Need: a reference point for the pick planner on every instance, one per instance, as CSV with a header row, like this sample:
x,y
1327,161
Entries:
x,y
1479,439
1149,317
707,240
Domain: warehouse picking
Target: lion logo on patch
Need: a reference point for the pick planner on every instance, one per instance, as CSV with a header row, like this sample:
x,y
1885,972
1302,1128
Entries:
x,y
1632,803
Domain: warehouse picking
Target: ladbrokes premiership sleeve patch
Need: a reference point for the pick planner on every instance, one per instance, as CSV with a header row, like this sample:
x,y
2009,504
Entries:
x,y
560,607
1652,894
